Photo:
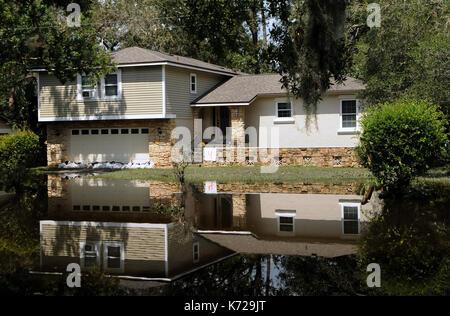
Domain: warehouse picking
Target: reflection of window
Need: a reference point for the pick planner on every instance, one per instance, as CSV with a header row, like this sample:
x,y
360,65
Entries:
x,y
89,254
196,252
286,224
113,256
286,221
349,112
350,218
284,109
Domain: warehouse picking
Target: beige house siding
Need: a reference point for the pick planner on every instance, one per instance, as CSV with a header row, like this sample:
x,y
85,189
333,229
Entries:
x,y
139,243
141,88
178,96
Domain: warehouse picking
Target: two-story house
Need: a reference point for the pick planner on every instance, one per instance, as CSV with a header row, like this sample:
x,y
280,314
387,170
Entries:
x,y
129,115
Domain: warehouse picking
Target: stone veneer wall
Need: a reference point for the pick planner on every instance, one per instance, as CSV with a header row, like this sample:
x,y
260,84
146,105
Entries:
x,y
314,157
160,143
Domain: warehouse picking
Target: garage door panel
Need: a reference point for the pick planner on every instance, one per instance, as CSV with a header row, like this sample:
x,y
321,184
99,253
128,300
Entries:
x,y
123,148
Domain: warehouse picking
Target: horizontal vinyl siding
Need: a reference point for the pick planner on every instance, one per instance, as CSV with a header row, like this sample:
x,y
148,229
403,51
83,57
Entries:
x,y
178,96
141,95
139,243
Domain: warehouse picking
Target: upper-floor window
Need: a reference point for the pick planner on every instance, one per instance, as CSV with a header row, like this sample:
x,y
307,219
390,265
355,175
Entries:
x,y
88,88
349,114
112,86
193,83
284,109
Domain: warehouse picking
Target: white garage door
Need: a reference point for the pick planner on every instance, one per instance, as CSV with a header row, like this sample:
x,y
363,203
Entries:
x,y
107,145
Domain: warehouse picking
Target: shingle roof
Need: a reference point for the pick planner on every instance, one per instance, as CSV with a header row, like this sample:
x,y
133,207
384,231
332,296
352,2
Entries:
x,y
137,55
245,88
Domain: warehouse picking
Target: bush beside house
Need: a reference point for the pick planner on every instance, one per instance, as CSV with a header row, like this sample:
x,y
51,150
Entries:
x,y
402,140
21,150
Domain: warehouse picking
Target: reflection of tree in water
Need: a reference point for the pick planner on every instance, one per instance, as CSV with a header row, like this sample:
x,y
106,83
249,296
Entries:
x,y
241,275
410,242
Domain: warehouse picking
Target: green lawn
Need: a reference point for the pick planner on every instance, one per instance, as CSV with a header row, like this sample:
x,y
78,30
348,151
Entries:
x,y
249,175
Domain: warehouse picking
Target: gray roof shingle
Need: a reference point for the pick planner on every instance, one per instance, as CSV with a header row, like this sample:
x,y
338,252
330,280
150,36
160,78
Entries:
x,y
245,88
137,55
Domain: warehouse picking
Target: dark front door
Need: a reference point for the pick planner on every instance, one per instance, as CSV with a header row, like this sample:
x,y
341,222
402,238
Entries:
x,y
224,121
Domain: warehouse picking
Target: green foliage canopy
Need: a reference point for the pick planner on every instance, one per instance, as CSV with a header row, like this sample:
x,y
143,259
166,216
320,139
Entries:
x,y
401,140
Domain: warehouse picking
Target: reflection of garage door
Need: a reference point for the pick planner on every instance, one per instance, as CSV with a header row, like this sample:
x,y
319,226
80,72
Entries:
x,y
108,145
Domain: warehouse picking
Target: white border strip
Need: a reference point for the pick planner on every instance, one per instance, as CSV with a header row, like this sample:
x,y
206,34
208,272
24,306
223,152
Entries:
x,y
105,118
163,71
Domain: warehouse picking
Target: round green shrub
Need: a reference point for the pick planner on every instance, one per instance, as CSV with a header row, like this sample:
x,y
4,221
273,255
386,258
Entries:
x,y
21,150
401,140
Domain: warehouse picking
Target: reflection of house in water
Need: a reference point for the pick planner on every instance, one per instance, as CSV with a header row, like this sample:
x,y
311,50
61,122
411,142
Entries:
x,y
108,200
111,224
293,224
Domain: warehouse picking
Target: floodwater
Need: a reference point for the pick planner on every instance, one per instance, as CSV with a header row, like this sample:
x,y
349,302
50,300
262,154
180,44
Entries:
x,y
210,239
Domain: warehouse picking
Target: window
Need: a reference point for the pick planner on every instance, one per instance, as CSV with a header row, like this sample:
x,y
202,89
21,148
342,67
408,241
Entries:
x,y
284,109
124,131
105,131
349,113
135,131
114,131
85,132
96,208
145,131
196,252
193,83
94,132
116,208
87,88
286,224
125,209
77,208
106,208
112,86
75,132
113,258
89,254
136,208
350,218
286,221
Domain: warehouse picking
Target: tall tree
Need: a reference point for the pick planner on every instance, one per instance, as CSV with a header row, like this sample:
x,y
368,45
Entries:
x,y
309,46
36,33
408,55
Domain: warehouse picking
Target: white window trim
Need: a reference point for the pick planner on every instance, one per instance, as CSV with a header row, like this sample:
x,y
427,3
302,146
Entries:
x,y
198,252
358,205
82,253
119,87
347,130
285,120
105,256
80,91
192,75
281,213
